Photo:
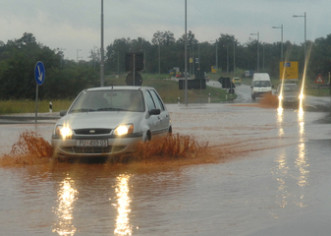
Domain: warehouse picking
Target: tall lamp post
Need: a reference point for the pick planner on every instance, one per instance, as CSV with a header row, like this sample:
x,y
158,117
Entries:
x,y
258,54
101,50
185,52
159,49
305,30
234,56
281,27
216,56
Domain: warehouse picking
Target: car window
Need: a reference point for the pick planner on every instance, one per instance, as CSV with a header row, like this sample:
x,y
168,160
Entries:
x,y
109,100
261,84
290,87
157,100
149,101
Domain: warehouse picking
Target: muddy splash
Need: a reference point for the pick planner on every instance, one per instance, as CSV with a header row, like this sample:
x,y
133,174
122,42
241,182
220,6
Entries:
x,y
29,149
170,147
269,101
266,101
176,149
32,149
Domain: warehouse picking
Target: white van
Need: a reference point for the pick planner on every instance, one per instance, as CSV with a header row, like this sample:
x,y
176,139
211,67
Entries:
x,y
261,84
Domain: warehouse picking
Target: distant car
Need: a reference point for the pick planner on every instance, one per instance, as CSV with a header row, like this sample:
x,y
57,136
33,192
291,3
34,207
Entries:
x,y
179,75
107,121
236,80
289,95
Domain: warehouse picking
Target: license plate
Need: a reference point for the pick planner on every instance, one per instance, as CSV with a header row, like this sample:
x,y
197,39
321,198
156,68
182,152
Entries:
x,y
92,143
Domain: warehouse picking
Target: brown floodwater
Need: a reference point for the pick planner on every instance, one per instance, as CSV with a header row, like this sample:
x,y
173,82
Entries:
x,y
204,179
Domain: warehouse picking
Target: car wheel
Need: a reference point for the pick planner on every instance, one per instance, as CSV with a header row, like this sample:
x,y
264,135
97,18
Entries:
x,y
170,130
148,136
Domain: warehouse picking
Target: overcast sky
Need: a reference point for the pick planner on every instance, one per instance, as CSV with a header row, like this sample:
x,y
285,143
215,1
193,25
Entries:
x,y
74,25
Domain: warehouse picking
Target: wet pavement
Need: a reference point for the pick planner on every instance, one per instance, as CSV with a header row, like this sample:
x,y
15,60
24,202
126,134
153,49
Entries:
x,y
264,173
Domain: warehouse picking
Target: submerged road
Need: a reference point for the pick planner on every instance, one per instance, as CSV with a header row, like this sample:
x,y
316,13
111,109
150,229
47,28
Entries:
x,y
271,176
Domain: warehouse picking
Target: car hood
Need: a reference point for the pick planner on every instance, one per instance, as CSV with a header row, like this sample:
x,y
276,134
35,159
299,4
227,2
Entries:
x,y
100,119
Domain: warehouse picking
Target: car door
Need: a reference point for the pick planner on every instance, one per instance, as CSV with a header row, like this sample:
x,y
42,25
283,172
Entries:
x,y
164,115
154,121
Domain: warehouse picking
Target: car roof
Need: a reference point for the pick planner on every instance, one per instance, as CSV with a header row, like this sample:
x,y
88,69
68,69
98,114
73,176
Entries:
x,y
119,88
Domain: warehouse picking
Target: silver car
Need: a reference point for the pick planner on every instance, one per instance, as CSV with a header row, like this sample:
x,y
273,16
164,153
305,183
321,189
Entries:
x,y
289,95
107,121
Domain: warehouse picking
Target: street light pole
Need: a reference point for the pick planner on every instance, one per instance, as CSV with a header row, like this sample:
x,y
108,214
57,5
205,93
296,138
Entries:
x,y
159,58
216,55
227,59
258,54
234,56
185,52
281,27
101,50
305,31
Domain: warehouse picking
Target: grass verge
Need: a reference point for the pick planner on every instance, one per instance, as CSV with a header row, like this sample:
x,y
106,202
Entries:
x,y
168,90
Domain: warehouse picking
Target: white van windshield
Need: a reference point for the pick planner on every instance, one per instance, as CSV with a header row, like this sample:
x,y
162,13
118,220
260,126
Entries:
x,y
264,83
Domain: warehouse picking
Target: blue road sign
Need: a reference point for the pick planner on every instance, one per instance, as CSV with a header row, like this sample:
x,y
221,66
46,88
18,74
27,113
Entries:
x,y
39,73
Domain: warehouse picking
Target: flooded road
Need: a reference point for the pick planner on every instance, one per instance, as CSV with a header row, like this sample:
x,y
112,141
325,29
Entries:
x,y
263,173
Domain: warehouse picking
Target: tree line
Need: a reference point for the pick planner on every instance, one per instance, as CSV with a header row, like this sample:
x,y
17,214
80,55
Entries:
x,y
65,78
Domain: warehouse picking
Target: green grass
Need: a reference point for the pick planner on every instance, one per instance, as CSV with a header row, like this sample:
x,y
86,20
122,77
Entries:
x,y
168,90
29,106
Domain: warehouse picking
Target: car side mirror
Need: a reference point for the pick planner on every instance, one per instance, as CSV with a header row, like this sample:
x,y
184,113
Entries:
x,y
155,112
63,113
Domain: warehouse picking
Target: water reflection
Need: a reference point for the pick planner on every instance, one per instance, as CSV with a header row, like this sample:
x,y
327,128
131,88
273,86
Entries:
x,y
123,226
301,161
300,164
280,117
67,195
282,170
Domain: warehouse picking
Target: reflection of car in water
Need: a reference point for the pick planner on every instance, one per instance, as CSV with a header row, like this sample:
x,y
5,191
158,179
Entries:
x,y
107,121
290,94
261,85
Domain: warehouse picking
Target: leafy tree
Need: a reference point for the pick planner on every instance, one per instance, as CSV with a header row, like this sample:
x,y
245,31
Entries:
x,y
320,58
17,62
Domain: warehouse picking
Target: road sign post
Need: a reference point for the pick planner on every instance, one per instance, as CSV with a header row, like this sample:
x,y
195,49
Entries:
x,y
39,74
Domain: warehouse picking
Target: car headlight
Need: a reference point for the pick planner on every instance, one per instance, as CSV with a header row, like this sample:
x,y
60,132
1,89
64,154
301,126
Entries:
x,y
123,129
63,131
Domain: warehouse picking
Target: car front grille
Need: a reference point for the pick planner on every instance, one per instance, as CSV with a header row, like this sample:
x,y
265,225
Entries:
x,y
95,150
92,131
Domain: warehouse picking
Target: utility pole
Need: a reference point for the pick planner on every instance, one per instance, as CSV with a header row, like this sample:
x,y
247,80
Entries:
x,y
258,53
305,31
185,52
101,50
281,27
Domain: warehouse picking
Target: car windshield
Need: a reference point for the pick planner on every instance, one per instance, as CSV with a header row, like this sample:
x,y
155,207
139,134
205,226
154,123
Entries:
x,y
261,83
290,87
109,100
